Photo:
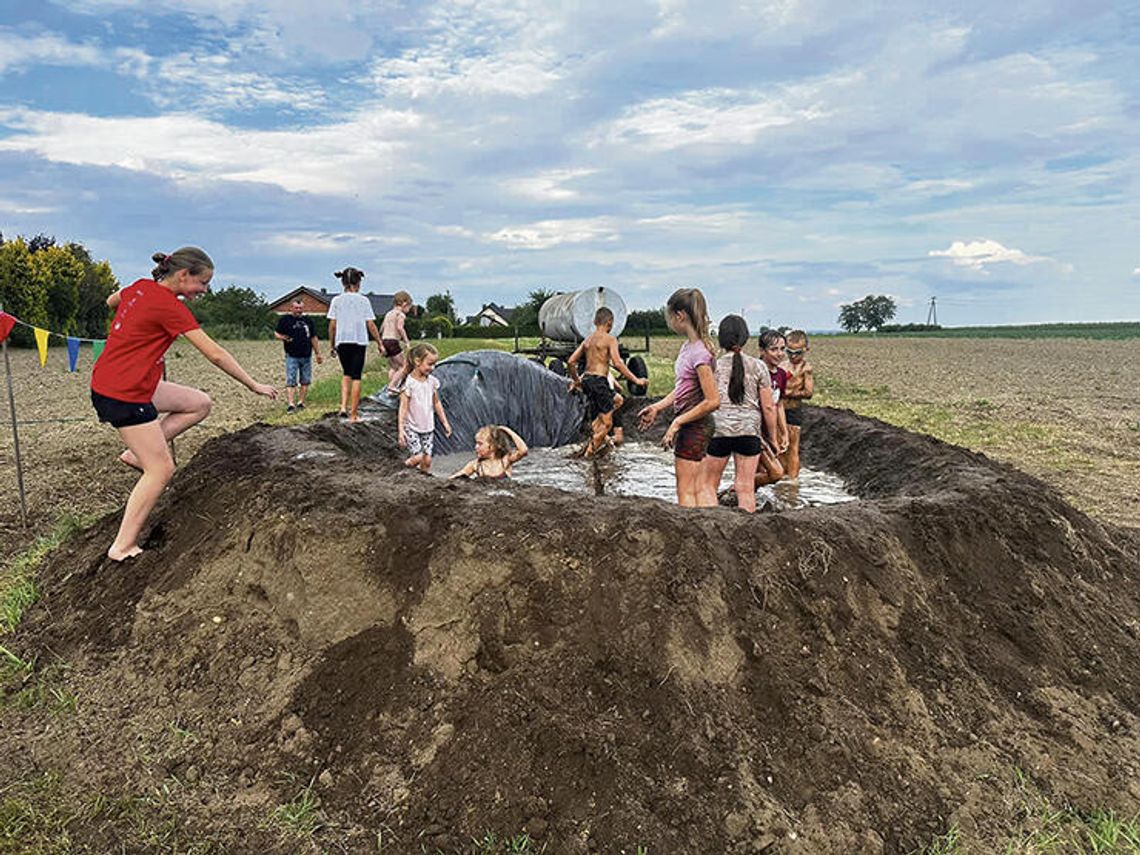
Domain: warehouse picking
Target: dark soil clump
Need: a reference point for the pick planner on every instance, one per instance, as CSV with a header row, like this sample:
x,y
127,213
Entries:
x,y
432,661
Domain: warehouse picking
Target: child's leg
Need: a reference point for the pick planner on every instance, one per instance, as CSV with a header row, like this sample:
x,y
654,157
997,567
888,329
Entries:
x,y
352,416
425,463
415,460
148,445
182,407
793,456
769,470
395,369
600,429
345,382
712,468
689,492
745,481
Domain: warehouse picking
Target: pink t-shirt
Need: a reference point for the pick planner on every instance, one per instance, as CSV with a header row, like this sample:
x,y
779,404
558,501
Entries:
x,y
421,396
687,391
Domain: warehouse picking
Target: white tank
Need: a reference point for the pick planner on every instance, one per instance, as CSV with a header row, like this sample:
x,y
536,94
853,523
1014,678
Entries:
x,y
570,317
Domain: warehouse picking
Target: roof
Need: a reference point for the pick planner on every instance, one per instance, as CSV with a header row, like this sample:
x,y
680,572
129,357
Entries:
x,y
502,312
381,303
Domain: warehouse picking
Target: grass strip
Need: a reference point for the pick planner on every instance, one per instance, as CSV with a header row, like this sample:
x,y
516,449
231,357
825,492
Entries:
x,y
18,578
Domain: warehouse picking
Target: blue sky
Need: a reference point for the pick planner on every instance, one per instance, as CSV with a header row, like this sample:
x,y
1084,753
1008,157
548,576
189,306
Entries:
x,y
784,156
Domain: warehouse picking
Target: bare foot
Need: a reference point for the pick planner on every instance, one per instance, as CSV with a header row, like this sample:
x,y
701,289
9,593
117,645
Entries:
x,y
128,457
353,420
123,555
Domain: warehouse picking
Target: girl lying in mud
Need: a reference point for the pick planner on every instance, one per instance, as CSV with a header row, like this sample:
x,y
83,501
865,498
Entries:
x,y
494,455
127,388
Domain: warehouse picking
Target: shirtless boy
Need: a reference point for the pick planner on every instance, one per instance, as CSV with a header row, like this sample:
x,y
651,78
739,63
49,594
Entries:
x,y
801,386
600,350
394,340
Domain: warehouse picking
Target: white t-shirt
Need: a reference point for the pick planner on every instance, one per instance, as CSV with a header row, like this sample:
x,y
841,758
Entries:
x,y
351,311
421,397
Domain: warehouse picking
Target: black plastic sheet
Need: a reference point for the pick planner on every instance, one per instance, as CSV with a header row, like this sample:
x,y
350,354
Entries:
x,y
481,387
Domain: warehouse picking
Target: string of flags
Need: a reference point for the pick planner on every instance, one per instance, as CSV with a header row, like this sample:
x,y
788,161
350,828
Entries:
x,y
10,322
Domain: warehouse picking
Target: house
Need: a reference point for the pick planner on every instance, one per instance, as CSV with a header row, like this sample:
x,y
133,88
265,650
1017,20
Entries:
x,y
317,302
492,315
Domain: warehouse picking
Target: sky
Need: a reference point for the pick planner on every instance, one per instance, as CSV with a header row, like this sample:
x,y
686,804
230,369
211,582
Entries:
x,y
786,157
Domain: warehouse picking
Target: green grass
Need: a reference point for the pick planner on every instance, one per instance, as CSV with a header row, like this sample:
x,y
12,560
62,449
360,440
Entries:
x,y
1118,330
18,578
300,817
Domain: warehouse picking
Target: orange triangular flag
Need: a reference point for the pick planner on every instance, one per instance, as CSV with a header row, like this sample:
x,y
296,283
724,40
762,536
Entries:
x,y
41,344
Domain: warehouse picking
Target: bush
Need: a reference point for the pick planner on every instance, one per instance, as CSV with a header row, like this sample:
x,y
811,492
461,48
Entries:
x,y
909,328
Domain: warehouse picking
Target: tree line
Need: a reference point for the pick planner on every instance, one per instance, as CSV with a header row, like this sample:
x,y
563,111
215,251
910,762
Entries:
x,y
60,288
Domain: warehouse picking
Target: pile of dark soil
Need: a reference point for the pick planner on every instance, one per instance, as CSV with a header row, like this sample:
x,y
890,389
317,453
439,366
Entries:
x,y
437,660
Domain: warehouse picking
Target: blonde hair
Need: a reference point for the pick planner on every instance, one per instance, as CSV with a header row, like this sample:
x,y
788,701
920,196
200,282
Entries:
x,y
692,302
401,297
188,258
500,440
420,352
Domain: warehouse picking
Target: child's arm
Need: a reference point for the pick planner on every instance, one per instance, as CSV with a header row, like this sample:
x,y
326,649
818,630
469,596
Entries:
x,y
768,410
401,334
710,403
649,414
520,447
466,472
438,404
782,438
572,366
402,417
619,364
808,384
375,333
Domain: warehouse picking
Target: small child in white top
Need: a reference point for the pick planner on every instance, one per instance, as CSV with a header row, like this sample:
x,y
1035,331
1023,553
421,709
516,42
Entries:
x,y
419,404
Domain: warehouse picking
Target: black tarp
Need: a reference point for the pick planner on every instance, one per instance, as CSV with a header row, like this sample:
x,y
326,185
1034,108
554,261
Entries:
x,y
481,387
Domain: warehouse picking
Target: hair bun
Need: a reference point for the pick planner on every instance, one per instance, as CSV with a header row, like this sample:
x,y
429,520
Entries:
x,y
159,257
338,274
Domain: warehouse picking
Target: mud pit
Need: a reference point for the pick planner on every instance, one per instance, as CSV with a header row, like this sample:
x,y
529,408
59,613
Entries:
x,y
441,660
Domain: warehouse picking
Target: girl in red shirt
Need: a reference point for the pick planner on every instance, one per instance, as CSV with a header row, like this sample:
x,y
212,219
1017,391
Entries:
x,y
127,388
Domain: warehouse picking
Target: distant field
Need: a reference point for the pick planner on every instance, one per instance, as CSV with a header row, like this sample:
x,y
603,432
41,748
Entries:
x,y
1115,330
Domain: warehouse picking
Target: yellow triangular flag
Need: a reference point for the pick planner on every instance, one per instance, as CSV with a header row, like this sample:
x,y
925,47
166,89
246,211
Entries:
x,y
41,344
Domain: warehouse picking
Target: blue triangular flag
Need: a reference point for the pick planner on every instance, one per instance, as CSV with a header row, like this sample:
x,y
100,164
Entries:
x,y
72,351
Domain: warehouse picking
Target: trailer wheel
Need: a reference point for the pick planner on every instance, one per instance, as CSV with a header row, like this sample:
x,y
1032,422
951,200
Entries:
x,y
638,368
558,366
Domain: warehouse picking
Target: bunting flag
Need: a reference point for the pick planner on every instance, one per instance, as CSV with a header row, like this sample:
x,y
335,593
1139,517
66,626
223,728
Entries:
x,y
72,351
41,344
6,324
97,346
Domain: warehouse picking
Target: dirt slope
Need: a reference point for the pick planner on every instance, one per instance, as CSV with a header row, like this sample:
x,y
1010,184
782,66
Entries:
x,y
445,659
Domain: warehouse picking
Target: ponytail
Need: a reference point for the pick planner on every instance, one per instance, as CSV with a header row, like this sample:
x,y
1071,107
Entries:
x,y
187,258
733,335
349,277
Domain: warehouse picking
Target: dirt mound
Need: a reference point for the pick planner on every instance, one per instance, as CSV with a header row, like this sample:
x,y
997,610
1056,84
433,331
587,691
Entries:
x,y
439,660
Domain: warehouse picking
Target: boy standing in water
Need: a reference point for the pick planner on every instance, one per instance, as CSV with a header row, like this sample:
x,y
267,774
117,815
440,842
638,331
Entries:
x,y
600,350
800,387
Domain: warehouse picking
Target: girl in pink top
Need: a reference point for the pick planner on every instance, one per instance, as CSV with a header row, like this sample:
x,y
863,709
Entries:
x,y
693,399
419,404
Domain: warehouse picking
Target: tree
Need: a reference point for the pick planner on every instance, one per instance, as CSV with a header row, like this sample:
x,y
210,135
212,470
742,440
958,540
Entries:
x,y
60,275
241,311
525,317
19,293
869,313
441,304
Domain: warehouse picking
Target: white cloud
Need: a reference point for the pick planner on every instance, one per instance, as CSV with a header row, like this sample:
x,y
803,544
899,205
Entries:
x,y
551,233
548,186
339,159
18,52
1136,271
329,241
713,117
977,254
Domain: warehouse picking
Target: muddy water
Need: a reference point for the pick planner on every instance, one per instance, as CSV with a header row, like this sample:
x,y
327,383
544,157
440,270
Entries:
x,y
645,469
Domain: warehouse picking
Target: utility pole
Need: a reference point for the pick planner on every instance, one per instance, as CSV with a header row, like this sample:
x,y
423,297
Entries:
x,y
932,314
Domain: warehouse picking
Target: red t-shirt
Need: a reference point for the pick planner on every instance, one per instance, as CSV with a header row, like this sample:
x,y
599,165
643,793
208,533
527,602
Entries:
x,y
779,382
148,320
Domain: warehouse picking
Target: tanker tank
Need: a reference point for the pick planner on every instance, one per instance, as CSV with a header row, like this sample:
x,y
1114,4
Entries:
x,y
570,316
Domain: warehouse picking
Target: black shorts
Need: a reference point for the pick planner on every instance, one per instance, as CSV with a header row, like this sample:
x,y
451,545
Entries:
x,y
351,358
391,347
723,446
122,414
598,394
794,416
